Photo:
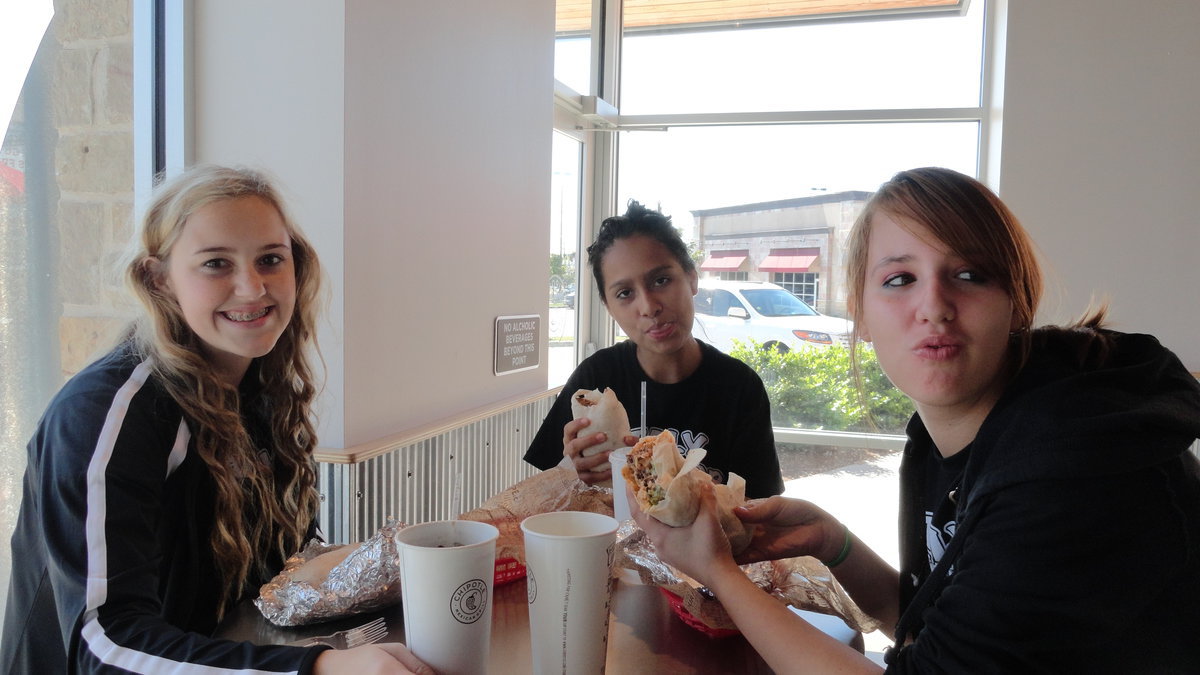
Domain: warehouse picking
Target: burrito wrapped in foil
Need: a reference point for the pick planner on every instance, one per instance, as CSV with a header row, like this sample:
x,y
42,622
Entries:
x,y
367,579
801,582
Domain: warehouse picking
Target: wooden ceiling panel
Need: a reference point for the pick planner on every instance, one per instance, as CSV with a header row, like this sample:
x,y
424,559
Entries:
x,y
576,15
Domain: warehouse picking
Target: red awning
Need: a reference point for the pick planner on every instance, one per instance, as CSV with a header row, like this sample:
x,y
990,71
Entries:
x,y
789,260
724,261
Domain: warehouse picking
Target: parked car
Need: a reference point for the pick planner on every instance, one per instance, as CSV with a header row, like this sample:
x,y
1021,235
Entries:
x,y
756,310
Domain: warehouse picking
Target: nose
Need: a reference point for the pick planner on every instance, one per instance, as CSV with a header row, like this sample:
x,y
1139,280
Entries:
x,y
648,305
936,303
249,284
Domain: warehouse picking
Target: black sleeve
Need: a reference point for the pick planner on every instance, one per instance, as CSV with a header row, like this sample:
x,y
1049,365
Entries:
x,y
1062,576
103,465
546,450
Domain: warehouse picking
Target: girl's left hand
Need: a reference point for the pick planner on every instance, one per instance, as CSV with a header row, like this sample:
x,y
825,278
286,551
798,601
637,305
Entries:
x,y
698,550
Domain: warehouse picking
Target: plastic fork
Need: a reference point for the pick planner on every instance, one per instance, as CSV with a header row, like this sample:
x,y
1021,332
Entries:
x,y
350,638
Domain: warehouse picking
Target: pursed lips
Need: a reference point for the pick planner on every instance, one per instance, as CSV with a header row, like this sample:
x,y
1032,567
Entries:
x,y
660,330
938,347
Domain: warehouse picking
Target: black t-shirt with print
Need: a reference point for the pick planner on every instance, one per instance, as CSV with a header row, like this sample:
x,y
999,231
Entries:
x,y
942,476
722,407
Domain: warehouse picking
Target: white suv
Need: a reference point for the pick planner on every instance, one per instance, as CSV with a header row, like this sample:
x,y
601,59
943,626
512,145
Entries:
x,y
757,310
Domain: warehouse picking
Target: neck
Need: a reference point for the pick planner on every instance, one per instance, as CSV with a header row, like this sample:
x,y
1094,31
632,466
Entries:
x,y
671,368
952,431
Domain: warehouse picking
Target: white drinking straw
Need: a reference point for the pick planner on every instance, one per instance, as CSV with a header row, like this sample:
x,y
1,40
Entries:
x,y
643,409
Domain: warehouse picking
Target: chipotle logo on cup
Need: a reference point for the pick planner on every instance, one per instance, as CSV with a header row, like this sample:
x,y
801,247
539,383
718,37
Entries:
x,y
469,601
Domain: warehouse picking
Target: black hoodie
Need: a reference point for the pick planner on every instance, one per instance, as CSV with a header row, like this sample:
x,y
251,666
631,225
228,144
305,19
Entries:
x,y
1077,546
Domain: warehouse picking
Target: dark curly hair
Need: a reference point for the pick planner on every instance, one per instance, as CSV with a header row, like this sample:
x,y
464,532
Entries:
x,y
638,220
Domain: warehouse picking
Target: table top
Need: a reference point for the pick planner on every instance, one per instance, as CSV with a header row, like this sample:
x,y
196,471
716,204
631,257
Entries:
x,y
644,635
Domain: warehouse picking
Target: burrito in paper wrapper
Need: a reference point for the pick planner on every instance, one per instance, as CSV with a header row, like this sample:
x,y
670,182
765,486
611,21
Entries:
x,y
607,415
667,487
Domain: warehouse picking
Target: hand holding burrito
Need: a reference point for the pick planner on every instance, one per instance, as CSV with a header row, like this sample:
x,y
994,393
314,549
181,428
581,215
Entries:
x,y
668,487
606,415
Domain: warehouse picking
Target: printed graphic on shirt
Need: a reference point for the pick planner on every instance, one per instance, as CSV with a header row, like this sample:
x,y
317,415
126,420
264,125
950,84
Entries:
x,y
685,441
937,538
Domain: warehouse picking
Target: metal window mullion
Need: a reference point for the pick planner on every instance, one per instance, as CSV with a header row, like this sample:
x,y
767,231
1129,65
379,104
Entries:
x,y
876,116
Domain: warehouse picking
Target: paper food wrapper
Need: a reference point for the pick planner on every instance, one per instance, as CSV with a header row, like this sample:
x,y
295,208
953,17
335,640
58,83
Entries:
x,y
801,582
607,415
367,579
557,489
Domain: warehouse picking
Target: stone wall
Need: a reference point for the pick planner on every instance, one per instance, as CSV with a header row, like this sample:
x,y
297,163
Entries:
x,y
91,99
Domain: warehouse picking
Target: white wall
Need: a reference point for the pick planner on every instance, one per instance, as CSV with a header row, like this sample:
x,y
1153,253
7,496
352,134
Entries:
x,y
414,139
261,101
1101,157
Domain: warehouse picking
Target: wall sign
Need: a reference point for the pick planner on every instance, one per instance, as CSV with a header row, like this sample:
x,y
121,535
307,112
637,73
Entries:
x,y
518,343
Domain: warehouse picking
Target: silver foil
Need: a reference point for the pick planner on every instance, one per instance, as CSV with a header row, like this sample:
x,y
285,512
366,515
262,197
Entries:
x,y
368,579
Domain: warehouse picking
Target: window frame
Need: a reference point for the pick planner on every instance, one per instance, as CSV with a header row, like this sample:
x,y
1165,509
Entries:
x,y
600,116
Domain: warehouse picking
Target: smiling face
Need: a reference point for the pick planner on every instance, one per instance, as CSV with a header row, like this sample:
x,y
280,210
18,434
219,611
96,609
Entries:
x,y
940,328
233,275
649,294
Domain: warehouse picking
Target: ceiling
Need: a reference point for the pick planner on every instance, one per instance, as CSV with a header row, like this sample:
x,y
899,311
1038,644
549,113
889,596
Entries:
x,y
574,16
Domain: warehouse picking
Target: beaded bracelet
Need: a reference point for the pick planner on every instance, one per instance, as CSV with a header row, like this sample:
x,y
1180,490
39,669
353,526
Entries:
x,y
845,553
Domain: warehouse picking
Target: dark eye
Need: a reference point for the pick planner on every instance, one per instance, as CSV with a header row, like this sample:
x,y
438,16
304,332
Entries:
x,y
972,276
271,259
621,294
898,280
215,264
662,281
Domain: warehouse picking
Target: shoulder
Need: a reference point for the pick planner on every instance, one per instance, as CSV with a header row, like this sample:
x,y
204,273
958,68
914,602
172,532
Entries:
x,y
118,388
101,381
621,352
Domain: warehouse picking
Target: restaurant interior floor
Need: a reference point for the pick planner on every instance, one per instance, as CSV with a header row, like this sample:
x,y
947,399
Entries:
x,y
859,487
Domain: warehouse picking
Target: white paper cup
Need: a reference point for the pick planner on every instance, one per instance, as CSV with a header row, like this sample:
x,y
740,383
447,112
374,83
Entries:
x,y
446,573
620,501
568,559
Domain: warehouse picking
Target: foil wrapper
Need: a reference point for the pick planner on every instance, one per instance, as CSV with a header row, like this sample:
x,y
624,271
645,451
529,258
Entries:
x,y
802,582
367,579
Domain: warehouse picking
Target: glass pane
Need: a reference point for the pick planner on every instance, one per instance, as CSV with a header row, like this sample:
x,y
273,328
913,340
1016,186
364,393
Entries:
x,y
66,188
893,63
773,205
566,205
573,45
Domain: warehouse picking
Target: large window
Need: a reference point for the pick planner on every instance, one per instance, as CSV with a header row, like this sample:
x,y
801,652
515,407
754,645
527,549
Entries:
x,y
66,205
762,129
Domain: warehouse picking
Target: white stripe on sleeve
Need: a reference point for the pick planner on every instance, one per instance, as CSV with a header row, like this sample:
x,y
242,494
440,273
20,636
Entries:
x,y
98,643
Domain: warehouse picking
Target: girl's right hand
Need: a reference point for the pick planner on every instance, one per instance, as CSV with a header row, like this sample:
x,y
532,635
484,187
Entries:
x,y
786,528
573,446
384,658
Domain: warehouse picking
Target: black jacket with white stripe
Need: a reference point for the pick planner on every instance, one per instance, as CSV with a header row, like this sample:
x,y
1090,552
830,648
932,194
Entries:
x,y
112,566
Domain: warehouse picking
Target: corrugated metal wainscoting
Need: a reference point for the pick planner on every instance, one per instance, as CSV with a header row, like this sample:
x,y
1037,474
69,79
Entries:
x,y
433,479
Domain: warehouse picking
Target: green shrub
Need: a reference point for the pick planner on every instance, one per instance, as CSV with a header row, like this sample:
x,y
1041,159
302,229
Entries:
x,y
815,389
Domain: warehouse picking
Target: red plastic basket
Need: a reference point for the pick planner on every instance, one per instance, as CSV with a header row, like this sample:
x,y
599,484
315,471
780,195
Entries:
x,y
507,570
676,603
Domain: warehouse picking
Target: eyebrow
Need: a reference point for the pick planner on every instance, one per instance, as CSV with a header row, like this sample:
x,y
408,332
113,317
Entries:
x,y
624,282
891,259
227,249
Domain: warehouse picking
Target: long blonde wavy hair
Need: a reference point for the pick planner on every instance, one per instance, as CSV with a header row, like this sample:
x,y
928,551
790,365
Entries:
x,y
263,509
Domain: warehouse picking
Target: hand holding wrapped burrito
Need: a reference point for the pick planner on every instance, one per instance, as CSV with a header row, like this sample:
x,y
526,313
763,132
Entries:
x,y
667,487
608,416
